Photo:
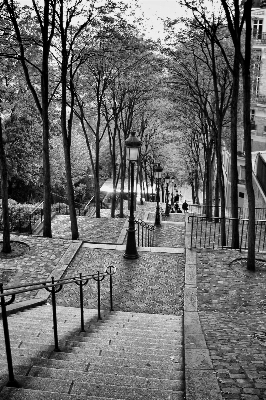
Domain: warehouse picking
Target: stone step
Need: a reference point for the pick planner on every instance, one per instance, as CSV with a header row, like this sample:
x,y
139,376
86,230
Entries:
x,y
124,346
106,339
116,344
118,356
98,363
136,326
123,356
136,333
154,370
27,394
95,378
127,394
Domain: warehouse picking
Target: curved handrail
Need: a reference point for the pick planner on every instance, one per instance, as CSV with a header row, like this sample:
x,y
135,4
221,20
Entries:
x,y
53,286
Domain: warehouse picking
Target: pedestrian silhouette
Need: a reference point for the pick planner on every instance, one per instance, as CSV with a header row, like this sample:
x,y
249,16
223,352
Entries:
x,y
185,206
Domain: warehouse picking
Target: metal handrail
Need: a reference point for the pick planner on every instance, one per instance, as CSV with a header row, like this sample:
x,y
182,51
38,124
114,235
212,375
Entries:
x,y
145,233
53,286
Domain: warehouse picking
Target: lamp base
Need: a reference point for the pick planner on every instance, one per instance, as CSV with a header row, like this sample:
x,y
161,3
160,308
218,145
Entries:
x,y
131,256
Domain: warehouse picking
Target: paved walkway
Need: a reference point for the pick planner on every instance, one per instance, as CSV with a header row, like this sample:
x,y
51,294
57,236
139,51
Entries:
x,y
225,323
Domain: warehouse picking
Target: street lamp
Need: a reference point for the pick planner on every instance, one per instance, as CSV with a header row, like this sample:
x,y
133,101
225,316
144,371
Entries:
x,y
158,174
167,180
133,145
172,198
152,176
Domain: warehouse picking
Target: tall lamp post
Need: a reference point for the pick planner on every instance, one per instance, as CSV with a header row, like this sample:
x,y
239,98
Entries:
x,y
158,174
152,178
167,180
172,197
162,189
133,145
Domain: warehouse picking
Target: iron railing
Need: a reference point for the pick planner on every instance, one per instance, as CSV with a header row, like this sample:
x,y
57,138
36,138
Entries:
x,y
145,233
53,286
206,233
211,210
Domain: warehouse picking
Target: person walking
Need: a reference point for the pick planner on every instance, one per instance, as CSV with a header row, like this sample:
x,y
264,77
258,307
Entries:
x,y
176,199
185,207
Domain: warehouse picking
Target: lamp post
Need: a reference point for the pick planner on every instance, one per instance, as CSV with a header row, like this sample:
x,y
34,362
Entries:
x,y
158,174
172,197
167,180
162,189
175,189
132,152
152,178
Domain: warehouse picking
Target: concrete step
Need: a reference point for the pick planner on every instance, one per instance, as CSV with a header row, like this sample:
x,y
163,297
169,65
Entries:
x,y
108,366
118,356
123,356
27,394
93,393
94,377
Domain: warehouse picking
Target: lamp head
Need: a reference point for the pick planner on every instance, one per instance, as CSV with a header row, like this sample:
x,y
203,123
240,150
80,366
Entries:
x,y
167,179
133,145
158,171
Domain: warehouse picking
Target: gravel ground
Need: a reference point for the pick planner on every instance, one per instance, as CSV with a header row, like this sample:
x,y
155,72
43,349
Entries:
x,y
153,283
98,230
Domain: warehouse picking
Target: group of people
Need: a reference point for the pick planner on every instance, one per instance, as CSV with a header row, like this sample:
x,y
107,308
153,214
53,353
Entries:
x,y
177,209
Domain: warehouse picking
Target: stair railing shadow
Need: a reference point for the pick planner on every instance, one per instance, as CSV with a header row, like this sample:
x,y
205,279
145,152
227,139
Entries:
x,y
53,287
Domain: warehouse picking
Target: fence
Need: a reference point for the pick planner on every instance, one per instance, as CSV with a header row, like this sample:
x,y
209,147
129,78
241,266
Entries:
x,y
206,233
145,233
211,210
53,286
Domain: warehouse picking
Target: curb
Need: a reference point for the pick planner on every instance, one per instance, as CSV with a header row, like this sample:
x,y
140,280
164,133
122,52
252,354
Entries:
x,y
200,378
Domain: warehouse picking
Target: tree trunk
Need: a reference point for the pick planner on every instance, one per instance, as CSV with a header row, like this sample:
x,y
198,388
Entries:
x,y
247,139
113,198
234,172
4,187
97,169
47,229
66,133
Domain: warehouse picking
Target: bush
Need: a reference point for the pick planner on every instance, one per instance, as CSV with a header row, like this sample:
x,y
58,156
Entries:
x,y
19,215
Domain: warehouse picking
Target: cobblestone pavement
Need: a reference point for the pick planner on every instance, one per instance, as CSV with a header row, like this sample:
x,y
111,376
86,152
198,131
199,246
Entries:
x,y
152,284
35,265
232,305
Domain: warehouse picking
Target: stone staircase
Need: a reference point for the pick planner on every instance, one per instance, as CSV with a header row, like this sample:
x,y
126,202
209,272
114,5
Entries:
x,y
123,356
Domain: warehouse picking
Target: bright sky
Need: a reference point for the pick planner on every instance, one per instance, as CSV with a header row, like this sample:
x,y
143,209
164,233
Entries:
x,y
156,9
153,10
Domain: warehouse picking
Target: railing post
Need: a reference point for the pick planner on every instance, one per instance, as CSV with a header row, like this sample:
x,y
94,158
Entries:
x,y
111,291
99,296
81,304
56,348
12,381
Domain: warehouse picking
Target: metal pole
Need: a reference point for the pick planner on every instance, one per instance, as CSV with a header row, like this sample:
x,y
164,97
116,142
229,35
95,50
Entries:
x,y
12,381
111,292
99,297
56,347
131,248
167,199
81,304
157,214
